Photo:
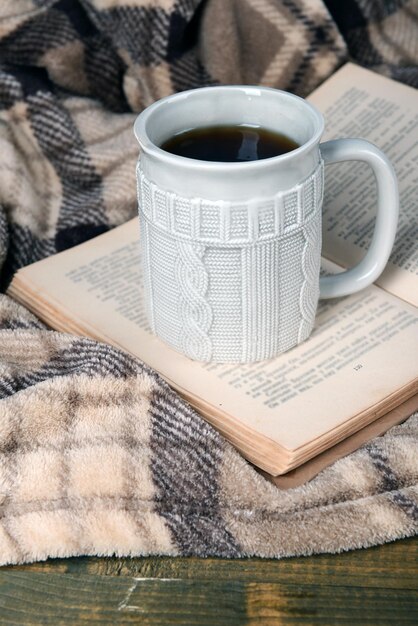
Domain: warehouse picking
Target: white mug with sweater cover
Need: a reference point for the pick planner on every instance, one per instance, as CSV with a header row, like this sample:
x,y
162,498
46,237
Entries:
x,y
231,251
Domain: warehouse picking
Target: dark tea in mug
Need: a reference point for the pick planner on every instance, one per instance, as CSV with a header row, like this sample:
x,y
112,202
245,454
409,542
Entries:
x,y
229,144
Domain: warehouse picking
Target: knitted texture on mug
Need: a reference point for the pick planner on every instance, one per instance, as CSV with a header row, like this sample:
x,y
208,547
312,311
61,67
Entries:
x,y
232,281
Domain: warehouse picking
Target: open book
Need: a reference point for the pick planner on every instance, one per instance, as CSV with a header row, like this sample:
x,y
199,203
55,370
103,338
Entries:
x,y
361,360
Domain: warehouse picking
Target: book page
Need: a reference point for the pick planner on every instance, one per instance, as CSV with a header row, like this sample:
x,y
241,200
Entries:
x,y
311,468
364,347
358,103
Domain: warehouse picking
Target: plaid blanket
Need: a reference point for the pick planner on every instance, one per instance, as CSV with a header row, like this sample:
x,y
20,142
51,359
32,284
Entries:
x,y
97,454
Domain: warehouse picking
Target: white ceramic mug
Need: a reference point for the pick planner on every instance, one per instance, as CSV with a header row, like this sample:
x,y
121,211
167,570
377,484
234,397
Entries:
x,y
231,251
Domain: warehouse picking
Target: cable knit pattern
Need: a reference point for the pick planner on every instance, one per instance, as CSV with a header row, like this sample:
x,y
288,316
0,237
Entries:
x,y
195,311
309,293
232,281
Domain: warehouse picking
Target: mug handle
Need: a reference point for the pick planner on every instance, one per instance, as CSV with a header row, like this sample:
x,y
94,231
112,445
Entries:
x,y
373,264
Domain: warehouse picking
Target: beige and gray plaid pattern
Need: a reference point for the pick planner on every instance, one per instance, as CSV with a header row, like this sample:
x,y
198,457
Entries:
x,y
381,35
97,454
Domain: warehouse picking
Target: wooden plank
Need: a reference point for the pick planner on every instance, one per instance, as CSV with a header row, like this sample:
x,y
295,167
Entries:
x,y
374,586
270,604
47,598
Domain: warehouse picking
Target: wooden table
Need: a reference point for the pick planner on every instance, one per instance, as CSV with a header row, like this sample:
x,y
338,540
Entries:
x,y
374,586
